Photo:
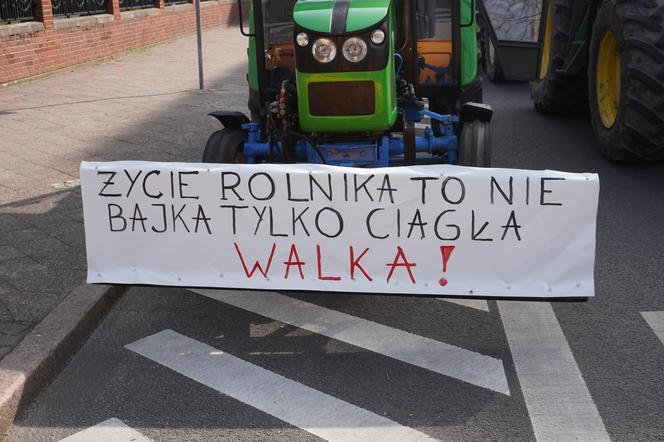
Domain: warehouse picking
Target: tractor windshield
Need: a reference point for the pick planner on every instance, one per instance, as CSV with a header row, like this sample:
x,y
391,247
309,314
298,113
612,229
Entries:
x,y
278,21
434,41
434,19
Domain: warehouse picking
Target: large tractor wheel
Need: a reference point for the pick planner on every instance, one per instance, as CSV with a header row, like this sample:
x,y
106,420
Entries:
x,y
626,81
225,146
475,144
556,92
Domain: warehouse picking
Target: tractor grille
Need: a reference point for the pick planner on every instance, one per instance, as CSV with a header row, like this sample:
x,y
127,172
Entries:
x,y
330,99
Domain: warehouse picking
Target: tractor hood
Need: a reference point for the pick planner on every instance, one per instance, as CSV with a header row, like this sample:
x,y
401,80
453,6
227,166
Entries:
x,y
339,16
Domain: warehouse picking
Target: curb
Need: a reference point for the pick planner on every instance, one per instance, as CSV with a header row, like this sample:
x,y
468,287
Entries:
x,y
34,361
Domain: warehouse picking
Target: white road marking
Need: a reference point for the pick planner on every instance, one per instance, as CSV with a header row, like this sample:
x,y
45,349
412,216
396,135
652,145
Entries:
x,y
111,430
557,398
656,321
478,304
311,410
446,359
263,330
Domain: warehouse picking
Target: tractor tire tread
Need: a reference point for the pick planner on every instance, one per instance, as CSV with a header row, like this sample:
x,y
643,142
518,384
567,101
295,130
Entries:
x,y
560,92
475,149
656,87
222,146
640,124
210,149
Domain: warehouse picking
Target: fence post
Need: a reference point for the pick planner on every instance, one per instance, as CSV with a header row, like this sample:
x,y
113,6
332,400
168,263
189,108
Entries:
x,y
159,4
199,41
44,13
114,8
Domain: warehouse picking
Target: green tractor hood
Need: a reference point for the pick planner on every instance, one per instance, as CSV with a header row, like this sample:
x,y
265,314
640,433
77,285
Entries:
x,y
339,16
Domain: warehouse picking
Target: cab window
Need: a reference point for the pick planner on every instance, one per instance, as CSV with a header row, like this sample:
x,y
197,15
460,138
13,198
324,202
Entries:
x,y
278,16
434,43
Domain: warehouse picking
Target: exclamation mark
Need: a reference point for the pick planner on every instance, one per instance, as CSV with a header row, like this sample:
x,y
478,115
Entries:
x,y
446,252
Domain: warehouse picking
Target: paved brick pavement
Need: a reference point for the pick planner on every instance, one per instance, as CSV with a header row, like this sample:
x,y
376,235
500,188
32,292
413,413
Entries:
x,y
140,106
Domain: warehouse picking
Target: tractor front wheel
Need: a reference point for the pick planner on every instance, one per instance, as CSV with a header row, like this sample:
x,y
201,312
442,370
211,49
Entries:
x,y
225,146
475,144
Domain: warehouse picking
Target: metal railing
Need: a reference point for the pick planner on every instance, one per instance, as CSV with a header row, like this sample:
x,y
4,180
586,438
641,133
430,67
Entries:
x,y
176,2
136,4
16,10
69,8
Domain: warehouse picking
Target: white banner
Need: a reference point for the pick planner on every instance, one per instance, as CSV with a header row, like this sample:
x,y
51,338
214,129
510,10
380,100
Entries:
x,y
426,230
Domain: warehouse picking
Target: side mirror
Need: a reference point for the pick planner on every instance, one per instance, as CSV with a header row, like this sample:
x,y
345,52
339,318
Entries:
x,y
517,30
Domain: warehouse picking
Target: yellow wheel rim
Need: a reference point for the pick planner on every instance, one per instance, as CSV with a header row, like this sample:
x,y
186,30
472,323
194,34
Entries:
x,y
607,80
546,46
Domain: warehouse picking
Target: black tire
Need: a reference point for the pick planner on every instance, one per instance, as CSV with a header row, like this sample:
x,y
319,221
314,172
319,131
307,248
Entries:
x,y
475,144
637,135
225,146
559,92
491,67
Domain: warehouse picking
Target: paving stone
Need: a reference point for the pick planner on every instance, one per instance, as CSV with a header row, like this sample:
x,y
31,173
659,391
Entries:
x,y
65,258
9,222
40,246
50,219
9,252
10,330
28,203
75,214
28,275
70,200
16,237
14,268
5,290
71,234
15,181
5,350
31,306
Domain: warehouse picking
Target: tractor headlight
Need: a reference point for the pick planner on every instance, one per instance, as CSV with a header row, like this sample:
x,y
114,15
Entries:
x,y
302,39
355,49
324,50
378,36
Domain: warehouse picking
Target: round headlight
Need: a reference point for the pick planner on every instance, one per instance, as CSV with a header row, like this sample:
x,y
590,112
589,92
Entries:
x,y
302,39
324,50
378,36
355,49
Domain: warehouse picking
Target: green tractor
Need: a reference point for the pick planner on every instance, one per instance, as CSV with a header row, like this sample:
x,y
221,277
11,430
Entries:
x,y
347,82
344,82
606,56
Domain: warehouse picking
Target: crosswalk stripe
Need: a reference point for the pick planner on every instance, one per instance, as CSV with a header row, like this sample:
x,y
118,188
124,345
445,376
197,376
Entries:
x,y
557,398
477,304
656,321
311,410
449,360
263,330
111,430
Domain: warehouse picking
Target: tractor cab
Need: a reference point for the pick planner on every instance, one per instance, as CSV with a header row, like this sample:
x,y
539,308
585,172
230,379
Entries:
x,y
368,83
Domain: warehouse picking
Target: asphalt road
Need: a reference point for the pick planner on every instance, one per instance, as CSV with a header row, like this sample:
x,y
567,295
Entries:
x,y
172,364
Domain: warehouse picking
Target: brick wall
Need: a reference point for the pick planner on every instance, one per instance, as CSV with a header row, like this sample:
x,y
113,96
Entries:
x,y
59,43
